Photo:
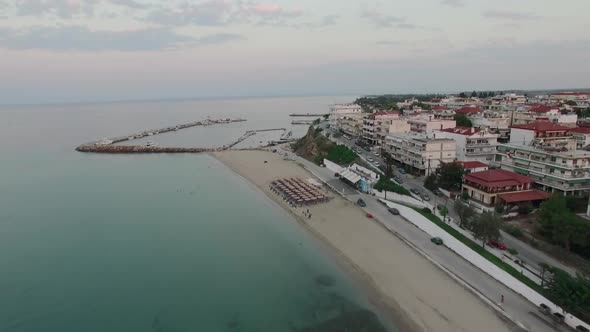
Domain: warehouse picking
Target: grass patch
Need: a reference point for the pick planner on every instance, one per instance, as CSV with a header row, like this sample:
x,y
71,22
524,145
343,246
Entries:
x,y
481,251
385,184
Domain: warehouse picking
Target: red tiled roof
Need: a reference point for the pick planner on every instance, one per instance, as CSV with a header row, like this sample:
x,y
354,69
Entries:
x,y
462,130
468,110
524,196
541,109
498,178
542,126
581,130
472,164
373,115
439,108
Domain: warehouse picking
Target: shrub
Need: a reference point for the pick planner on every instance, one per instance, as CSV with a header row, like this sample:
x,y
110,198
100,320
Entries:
x,y
512,251
387,185
514,231
525,208
465,196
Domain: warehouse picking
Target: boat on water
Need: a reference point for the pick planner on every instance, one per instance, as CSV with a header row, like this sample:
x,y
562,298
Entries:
x,y
151,144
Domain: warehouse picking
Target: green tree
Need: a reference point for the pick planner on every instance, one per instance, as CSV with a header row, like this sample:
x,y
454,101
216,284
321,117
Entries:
x,y
499,207
388,164
571,103
463,121
474,94
525,208
430,182
465,196
462,95
486,227
465,213
571,293
450,176
560,225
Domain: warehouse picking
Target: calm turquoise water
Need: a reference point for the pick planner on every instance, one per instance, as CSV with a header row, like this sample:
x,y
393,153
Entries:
x,y
150,243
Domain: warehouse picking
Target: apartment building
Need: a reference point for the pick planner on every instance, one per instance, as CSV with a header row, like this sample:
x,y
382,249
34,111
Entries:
x,y
418,153
497,122
570,96
547,153
346,117
473,144
376,126
546,113
428,123
486,189
542,134
581,135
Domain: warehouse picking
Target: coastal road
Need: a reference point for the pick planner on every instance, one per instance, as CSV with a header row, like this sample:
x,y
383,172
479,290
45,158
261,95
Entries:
x,y
514,305
532,257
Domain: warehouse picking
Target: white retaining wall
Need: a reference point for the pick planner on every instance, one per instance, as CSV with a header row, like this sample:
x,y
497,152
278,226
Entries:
x,y
483,264
402,199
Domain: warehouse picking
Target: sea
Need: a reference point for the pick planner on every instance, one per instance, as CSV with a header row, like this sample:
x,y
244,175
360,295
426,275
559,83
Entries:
x,y
158,243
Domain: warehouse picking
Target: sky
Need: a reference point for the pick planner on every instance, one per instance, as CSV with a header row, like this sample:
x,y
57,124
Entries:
x,y
103,50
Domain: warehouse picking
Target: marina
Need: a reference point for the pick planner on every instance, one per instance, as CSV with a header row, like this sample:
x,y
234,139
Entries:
x,y
109,145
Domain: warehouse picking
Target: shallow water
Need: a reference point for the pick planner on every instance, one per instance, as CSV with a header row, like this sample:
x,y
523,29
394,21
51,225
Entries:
x,y
154,242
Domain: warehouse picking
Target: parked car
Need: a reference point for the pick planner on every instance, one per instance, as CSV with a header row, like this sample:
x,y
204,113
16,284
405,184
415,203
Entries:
x,y
402,171
370,159
425,197
415,191
361,203
437,240
377,154
437,192
398,179
496,245
393,211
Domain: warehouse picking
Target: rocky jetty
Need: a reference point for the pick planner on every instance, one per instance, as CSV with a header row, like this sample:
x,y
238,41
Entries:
x,y
98,148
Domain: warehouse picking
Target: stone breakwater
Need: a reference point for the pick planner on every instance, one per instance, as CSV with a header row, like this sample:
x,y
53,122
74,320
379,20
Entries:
x,y
140,149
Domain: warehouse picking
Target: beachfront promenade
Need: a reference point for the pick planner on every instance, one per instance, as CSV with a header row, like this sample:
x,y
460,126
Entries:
x,y
514,304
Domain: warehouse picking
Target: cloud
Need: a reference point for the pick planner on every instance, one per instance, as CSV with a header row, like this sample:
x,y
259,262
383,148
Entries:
x,y
57,8
381,20
454,3
130,3
329,20
509,15
208,13
269,11
79,38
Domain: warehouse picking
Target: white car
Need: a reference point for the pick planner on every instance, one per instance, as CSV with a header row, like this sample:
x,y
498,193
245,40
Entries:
x,y
377,154
370,159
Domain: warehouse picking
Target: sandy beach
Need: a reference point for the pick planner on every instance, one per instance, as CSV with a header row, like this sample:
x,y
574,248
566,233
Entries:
x,y
420,296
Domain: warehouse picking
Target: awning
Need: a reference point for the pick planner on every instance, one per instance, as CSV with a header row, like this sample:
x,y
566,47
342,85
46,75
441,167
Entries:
x,y
524,196
350,176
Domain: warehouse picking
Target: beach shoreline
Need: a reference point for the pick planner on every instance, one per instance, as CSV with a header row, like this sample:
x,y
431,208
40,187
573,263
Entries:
x,y
336,223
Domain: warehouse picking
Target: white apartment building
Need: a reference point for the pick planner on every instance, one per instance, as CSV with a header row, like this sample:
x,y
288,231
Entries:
x,y
547,113
581,135
473,144
548,154
376,126
346,117
418,153
399,126
427,123
497,122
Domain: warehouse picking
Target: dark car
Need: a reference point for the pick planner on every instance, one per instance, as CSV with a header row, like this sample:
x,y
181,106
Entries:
x,y
497,245
437,240
398,179
415,191
425,197
437,192
393,211
361,203
402,171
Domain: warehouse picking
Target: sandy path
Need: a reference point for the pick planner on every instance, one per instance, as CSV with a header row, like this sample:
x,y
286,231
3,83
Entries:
x,y
405,280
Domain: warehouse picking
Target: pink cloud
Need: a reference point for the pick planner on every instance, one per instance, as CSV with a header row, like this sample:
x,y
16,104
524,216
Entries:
x,y
271,10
